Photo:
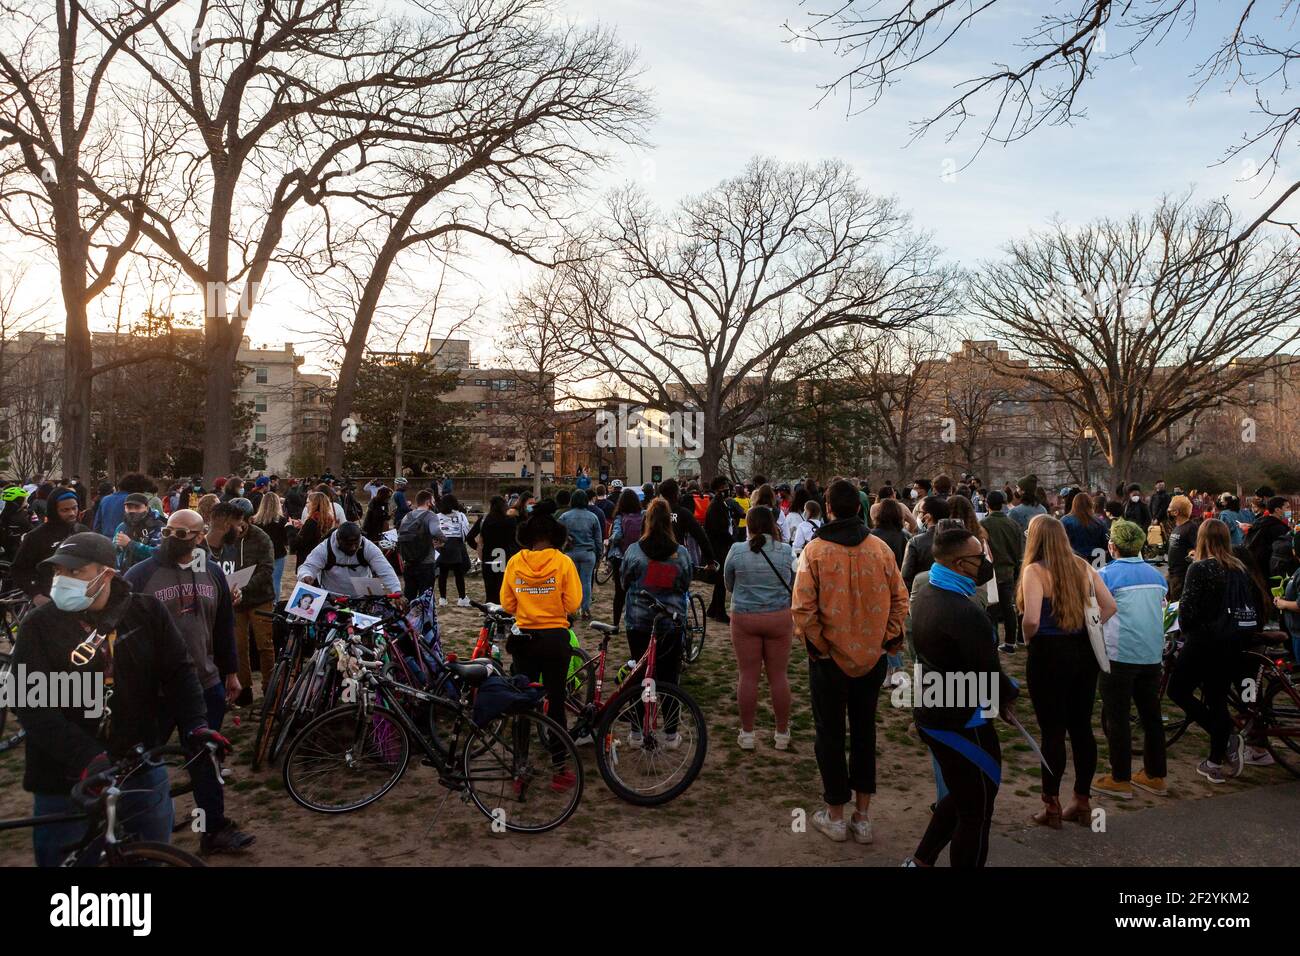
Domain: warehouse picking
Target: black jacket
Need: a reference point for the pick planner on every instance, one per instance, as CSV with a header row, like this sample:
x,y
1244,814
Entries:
x,y
1259,540
685,526
1160,505
952,635
917,557
896,538
37,545
152,672
720,524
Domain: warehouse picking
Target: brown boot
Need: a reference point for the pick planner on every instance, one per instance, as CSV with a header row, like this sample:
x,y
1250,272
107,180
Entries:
x,y
1079,811
1050,815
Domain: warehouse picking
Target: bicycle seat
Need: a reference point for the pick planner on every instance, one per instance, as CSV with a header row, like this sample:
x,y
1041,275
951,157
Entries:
x,y
604,628
474,673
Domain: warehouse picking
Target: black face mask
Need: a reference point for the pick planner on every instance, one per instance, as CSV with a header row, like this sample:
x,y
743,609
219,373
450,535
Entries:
x,y
985,573
135,520
174,550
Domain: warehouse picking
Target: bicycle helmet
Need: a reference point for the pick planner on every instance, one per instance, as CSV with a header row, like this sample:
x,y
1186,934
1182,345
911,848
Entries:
x,y
13,493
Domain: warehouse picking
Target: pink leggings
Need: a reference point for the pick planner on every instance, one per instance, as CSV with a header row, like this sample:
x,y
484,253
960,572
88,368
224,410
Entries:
x,y
763,640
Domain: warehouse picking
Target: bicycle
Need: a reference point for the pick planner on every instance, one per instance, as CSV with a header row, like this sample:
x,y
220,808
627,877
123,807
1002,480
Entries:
x,y
650,735
14,606
100,796
367,742
694,633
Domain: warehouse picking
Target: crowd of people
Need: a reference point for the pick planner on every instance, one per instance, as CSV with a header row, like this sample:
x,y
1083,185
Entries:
x,y
950,573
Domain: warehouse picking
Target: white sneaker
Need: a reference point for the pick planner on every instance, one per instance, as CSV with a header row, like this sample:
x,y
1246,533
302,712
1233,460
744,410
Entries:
x,y
635,740
746,739
836,830
1259,757
463,602
442,602
861,830
781,741
672,741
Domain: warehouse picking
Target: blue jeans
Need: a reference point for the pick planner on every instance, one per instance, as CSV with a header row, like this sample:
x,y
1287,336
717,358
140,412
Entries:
x,y
144,811
586,562
277,574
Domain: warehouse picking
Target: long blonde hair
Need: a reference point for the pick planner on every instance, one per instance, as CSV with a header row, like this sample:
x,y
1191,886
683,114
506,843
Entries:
x,y
320,507
1049,546
269,509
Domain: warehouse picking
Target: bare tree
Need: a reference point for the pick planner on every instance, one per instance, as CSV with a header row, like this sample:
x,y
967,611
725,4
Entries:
x,y
970,389
1136,325
694,313
1041,81
66,169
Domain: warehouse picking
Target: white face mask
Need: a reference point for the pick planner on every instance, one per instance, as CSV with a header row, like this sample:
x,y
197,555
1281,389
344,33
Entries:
x,y
1135,498
914,494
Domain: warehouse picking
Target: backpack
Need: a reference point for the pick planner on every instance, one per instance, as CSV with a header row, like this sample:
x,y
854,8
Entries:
x,y
632,525
331,561
1240,613
414,539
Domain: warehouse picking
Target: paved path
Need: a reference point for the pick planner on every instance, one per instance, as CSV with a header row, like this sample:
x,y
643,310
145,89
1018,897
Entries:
x,y
1256,827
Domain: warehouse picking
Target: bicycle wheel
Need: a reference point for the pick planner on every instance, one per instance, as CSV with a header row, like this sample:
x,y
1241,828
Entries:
x,y
6,665
638,758
271,703
510,773
695,624
1280,712
581,686
146,853
346,758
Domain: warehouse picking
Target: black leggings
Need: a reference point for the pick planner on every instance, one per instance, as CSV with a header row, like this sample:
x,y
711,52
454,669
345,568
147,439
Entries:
x,y
1207,663
544,656
492,584
620,592
964,815
1062,673
668,668
446,569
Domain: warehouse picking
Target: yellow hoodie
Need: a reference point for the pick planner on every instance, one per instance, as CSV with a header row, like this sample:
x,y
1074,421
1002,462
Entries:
x,y
541,589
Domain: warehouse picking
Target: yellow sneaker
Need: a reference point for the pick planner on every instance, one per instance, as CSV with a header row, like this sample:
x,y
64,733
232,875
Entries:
x,y
1108,786
1154,785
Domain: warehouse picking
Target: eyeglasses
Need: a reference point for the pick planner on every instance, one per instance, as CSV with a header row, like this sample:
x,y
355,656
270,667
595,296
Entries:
x,y
182,533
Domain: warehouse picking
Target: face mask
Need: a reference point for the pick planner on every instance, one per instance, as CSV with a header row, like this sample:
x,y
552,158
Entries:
x,y
135,520
1135,498
985,573
71,594
914,494
174,551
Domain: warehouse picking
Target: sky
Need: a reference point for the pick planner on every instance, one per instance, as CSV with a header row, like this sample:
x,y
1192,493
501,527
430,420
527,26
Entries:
x,y
727,86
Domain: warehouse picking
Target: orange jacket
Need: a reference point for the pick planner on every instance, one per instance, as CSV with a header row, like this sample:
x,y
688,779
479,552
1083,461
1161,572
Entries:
x,y
541,589
849,597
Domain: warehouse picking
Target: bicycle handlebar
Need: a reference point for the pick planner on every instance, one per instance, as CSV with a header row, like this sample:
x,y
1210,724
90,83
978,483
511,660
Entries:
x,y
138,758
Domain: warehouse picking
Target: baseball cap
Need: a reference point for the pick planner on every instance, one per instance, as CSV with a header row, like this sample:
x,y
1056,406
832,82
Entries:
x,y
78,550
137,498
243,504
262,481
616,483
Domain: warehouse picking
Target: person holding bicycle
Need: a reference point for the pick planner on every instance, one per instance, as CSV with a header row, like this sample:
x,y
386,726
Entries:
x,y
660,567
543,592
196,594
128,642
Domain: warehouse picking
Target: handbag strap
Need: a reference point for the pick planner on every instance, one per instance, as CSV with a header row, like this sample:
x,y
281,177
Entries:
x,y
778,574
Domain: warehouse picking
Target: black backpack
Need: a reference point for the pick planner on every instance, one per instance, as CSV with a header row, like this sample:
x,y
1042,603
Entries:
x,y
414,540
1241,615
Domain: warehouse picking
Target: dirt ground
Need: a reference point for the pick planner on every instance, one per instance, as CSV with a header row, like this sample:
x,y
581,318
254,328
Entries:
x,y
744,809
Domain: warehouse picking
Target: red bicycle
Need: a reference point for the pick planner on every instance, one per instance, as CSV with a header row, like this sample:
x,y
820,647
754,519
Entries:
x,y
650,735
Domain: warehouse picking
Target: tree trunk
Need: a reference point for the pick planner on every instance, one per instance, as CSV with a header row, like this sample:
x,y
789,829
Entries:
x,y
75,426
221,337
397,433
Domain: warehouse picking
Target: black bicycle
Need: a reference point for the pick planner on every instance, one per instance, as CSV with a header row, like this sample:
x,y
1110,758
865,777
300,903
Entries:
x,y
14,606
100,798
512,769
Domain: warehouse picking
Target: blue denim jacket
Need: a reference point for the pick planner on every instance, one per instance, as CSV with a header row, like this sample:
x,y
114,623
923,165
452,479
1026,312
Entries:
x,y
585,531
669,581
754,586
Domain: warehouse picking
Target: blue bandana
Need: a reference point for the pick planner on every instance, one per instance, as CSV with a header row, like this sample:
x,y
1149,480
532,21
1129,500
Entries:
x,y
948,580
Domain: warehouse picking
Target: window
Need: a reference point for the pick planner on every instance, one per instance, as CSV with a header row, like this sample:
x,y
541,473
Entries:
x,y
480,381
259,403
503,384
548,456
262,376
259,433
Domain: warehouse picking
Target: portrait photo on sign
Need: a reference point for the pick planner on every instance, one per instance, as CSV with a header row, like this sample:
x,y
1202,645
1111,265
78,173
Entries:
x,y
306,601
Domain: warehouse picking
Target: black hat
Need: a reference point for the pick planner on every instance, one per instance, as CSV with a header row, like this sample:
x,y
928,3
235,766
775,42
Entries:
x,y
78,550
136,498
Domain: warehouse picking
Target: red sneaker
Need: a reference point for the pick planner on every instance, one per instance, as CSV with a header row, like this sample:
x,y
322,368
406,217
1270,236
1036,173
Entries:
x,y
564,781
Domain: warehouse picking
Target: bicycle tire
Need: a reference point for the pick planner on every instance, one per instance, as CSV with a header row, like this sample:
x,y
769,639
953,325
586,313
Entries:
x,y
607,747
347,721
146,853
495,780
695,628
6,662
1284,747
270,708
